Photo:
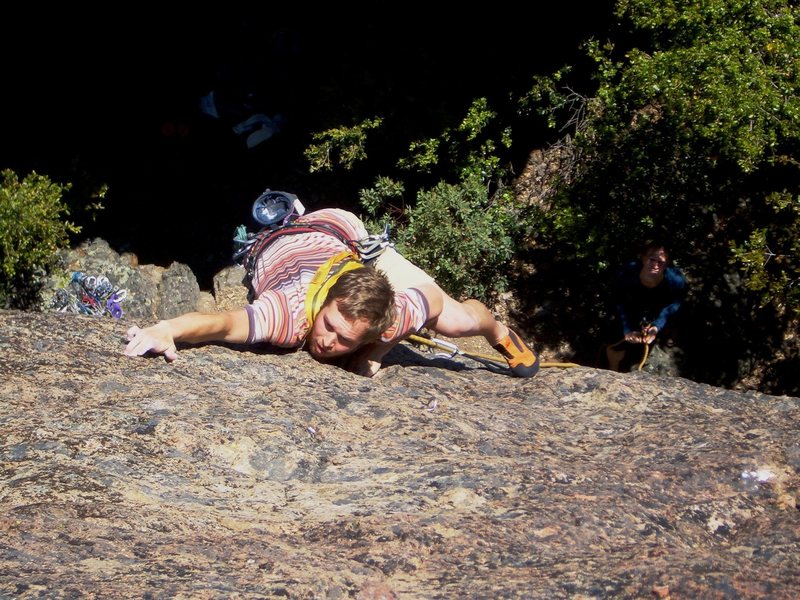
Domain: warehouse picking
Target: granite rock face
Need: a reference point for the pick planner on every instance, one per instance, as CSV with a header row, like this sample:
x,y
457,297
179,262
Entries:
x,y
152,292
247,473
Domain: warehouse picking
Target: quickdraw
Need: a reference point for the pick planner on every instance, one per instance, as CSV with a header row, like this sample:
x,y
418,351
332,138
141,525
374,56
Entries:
x,y
450,350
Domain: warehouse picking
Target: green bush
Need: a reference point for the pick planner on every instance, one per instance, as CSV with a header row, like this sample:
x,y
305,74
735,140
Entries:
x,y
455,232
694,129
462,238
462,233
340,146
691,129
32,229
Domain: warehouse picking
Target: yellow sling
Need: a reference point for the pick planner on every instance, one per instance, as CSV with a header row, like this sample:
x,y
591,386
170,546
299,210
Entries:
x,y
324,278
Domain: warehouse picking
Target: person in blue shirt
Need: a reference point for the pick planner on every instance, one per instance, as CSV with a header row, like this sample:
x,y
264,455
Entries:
x,y
647,296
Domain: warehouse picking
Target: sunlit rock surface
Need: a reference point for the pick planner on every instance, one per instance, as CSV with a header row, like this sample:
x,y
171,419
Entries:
x,y
241,473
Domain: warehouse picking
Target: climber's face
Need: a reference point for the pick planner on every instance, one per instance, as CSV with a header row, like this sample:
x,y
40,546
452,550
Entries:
x,y
333,334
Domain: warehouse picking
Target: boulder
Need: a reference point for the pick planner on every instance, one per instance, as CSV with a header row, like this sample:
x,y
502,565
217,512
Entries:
x,y
152,292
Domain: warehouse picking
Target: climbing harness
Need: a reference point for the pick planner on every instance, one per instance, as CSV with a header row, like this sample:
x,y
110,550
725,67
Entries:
x,y
254,245
251,245
372,246
89,295
450,350
324,278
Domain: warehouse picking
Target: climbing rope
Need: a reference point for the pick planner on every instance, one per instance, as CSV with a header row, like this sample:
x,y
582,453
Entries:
x,y
89,295
450,350
646,352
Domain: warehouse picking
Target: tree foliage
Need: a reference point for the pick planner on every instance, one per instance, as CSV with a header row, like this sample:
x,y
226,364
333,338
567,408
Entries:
x,y
461,237
32,228
691,129
339,146
461,229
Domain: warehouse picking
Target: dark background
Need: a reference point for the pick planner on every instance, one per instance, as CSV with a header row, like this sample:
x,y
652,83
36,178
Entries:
x,y
101,98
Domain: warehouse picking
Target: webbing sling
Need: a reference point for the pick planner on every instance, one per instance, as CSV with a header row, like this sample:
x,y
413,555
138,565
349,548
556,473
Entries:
x,y
324,278
266,236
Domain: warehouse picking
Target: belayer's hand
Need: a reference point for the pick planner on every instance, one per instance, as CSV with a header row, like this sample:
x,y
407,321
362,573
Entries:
x,y
634,337
156,339
649,334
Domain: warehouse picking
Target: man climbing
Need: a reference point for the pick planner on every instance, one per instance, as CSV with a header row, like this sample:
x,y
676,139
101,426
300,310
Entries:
x,y
310,289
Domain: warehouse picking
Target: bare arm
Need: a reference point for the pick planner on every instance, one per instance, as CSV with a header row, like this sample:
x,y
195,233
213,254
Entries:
x,y
230,326
434,296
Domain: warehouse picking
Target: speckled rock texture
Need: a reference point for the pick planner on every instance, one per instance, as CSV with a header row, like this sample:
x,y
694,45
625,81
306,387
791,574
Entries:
x,y
247,473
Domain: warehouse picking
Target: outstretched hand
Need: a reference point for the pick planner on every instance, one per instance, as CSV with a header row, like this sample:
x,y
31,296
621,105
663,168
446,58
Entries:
x,y
156,339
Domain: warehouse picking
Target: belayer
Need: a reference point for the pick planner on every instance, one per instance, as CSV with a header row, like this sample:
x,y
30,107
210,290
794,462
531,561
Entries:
x,y
647,296
319,281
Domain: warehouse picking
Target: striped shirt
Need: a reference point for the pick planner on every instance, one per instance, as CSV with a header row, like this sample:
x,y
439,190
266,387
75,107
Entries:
x,y
283,273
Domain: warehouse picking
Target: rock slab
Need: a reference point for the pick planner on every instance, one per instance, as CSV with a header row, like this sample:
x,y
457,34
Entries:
x,y
249,473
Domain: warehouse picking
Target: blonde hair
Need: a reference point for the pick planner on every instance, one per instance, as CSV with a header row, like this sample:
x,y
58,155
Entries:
x,y
365,294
